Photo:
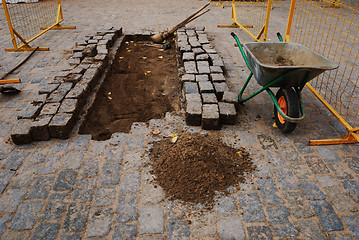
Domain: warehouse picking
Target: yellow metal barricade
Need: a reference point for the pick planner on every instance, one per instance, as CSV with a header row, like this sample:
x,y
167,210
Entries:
x,y
28,20
332,29
219,2
252,17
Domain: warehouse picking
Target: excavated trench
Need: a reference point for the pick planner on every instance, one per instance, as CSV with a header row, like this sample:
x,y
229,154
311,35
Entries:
x,y
142,84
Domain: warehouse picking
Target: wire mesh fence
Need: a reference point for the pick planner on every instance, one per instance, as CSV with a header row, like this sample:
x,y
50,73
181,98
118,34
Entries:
x,y
331,28
28,19
252,17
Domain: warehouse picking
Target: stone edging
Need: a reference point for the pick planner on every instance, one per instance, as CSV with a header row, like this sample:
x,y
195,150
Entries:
x,y
209,102
53,113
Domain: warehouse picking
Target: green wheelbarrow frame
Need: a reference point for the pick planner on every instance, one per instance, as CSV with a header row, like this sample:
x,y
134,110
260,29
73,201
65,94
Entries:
x,y
306,73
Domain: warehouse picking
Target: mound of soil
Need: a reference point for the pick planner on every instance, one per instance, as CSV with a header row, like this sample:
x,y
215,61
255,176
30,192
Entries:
x,y
143,85
195,167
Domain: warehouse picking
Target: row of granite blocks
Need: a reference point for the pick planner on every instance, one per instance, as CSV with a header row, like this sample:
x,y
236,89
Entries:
x,y
209,102
53,112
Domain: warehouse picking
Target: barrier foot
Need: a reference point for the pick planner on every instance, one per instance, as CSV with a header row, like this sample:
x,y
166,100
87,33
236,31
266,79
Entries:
x,y
332,6
233,25
25,49
349,138
59,27
10,81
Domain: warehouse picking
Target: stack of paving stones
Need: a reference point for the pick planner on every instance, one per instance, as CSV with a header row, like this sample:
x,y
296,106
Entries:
x,y
53,113
209,102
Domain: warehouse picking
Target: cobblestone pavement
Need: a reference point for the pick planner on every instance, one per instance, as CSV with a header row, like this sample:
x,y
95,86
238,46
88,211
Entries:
x,y
84,189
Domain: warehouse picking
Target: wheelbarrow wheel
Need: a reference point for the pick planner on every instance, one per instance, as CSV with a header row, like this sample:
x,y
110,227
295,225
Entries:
x,y
289,103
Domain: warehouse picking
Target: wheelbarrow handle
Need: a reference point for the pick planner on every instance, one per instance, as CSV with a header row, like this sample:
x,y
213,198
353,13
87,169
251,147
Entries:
x,y
241,49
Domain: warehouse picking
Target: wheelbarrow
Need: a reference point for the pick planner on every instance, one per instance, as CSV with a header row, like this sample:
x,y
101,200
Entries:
x,y
287,66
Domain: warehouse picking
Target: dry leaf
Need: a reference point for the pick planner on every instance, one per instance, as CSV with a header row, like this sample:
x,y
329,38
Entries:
x,y
174,138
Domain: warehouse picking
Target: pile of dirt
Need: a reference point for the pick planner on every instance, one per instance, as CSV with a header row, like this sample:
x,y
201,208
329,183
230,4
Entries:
x,y
142,85
195,167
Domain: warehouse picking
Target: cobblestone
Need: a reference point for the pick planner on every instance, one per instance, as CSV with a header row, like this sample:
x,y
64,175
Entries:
x,y
46,231
14,160
205,87
53,211
210,116
328,154
311,230
152,194
353,163
202,77
5,177
151,220
326,181
84,190
278,216
90,167
17,235
317,165
22,132
328,218
353,223
225,206
204,226
110,173
340,200
39,128
114,153
128,231
251,207
269,191
80,188
26,215
188,78
353,188
73,160
299,205
178,230
340,236
132,161
311,190
76,218
41,188
105,195
65,181
258,232
127,209
231,229
130,184
100,223
175,210
340,171
11,199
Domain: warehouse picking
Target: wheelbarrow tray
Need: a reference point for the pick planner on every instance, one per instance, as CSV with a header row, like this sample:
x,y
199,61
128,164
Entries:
x,y
268,61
